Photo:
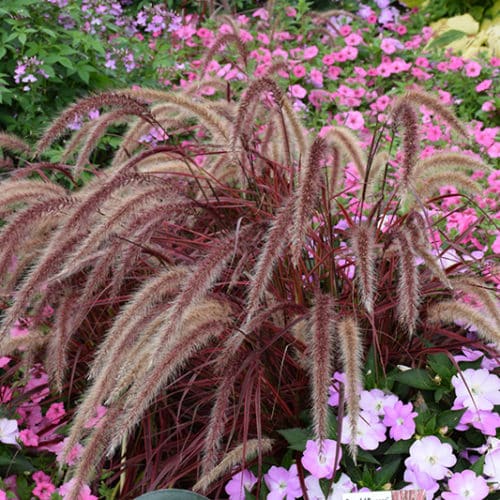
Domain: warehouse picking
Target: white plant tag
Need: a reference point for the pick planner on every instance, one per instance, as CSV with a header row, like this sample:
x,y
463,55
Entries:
x,y
369,495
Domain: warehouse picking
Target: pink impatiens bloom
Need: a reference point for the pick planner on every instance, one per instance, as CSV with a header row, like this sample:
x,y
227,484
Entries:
x,y
375,401
430,456
466,485
239,483
401,420
28,437
370,432
476,390
484,85
319,458
297,91
85,493
283,483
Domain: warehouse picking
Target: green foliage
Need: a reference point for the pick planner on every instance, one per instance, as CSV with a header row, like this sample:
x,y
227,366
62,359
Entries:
x,y
438,9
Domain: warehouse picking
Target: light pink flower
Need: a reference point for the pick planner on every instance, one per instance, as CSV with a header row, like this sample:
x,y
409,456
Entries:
x,y
318,458
85,493
283,483
44,490
239,483
355,120
466,485
484,85
476,390
297,91
430,456
401,420
28,437
310,52
472,69
299,71
370,431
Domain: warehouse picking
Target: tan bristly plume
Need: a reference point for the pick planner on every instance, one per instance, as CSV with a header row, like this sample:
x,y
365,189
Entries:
x,y
449,162
408,283
11,142
448,311
308,192
348,143
243,453
320,360
351,350
114,99
482,292
364,249
404,115
220,42
429,101
430,185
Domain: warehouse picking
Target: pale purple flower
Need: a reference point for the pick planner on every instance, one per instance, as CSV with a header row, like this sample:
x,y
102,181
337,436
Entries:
x,y
334,390
376,400
480,391
283,483
241,481
319,458
491,468
401,420
431,456
420,481
9,431
314,491
370,431
486,421
466,485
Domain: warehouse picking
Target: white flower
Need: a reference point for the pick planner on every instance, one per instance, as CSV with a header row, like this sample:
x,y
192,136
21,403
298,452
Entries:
x,y
8,431
492,468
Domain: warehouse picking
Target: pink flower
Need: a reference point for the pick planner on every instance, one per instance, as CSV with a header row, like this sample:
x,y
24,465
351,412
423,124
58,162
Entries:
x,y
55,413
310,52
316,78
353,39
390,45
297,91
40,477
345,30
4,361
485,421
44,490
262,14
466,485
433,133
421,480
28,437
484,85
472,69
319,457
73,455
400,419
375,401
370,431
85,493
283,483
492,467
19,330
299,71
430,456
239,483
355,120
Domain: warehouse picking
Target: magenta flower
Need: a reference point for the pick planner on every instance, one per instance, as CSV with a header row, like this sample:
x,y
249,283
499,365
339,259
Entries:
x,y
430,456
239,483
319,458
466,485
400,419
283,483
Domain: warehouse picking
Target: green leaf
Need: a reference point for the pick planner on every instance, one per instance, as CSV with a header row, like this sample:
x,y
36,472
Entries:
x,y
446,38
15,464
418,378
430,426
296,438
450,418
400,447
478,465
387,472
442,365
365,456
65,62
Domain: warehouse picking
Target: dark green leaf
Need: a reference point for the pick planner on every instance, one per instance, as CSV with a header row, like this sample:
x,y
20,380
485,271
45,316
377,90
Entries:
x,y
296,438
418,378
478,465
400,447
442,365
387,472
450,418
